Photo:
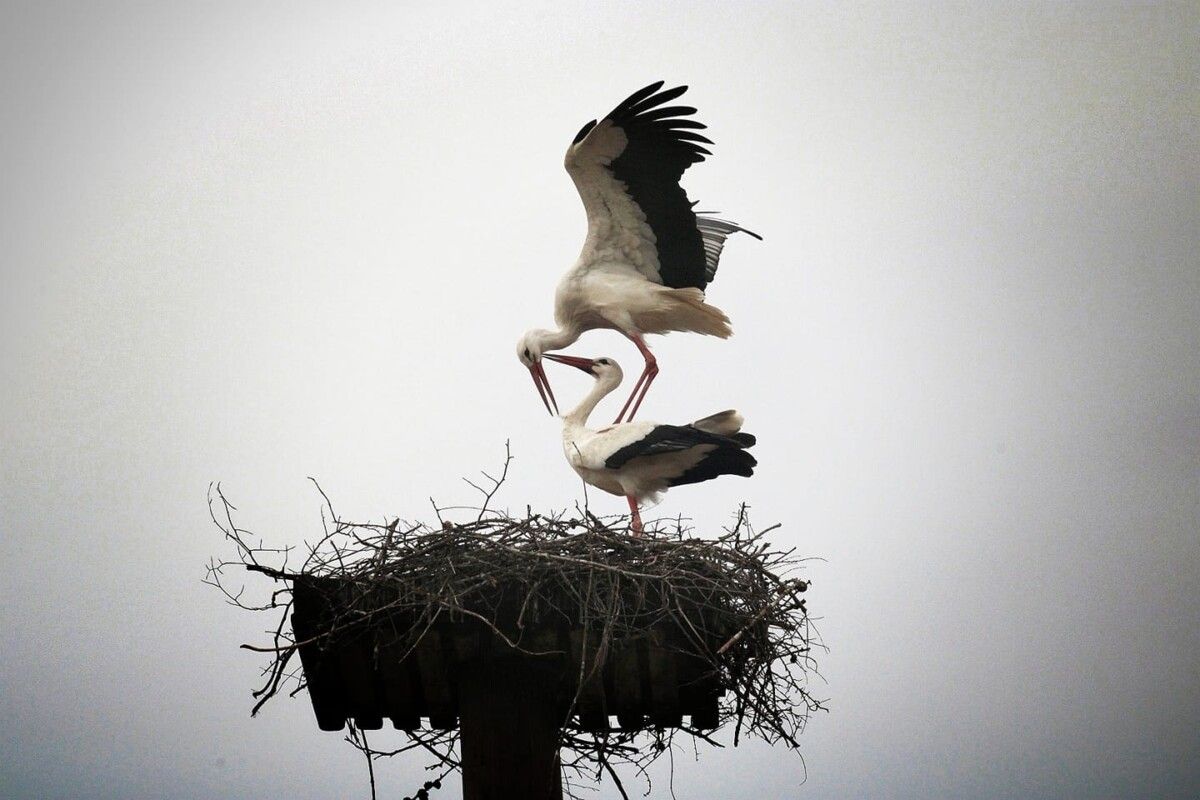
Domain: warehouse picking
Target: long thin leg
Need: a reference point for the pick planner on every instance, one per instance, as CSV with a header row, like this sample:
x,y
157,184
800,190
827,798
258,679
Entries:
x,y
643,383
636,522
636,387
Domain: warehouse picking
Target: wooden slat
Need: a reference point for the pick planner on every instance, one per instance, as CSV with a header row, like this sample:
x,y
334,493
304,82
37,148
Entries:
x,y
706,713
436,682
590,704
324,682
627,686
401,689
355,661
664,686
311,616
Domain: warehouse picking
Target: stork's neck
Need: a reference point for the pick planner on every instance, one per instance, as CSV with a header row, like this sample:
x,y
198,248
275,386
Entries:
x,y
558,339
577,418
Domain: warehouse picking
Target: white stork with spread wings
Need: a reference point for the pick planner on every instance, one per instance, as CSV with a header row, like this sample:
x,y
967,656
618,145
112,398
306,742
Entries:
x,y
641,459
647,256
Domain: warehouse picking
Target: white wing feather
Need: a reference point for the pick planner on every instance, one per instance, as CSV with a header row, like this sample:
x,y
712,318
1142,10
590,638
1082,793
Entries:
x,y
618,235
591,449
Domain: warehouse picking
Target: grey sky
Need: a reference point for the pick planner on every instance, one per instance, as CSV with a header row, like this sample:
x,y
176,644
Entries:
x,y
257,244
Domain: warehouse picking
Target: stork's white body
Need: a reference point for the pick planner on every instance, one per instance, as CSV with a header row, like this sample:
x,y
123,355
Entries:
x,y
587,450
617,281
640,460
647,257
643,479
597,295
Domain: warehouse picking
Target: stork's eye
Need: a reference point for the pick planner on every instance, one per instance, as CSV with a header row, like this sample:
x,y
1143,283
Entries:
x,y
528,354
603,361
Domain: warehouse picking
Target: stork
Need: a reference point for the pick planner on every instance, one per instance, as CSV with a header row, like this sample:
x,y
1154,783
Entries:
x,y
639,460
648,256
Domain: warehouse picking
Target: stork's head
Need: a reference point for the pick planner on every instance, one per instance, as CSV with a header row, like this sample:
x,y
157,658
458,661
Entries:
x,y
529,352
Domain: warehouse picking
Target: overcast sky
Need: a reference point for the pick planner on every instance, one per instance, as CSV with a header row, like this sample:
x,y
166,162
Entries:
x,y
258,242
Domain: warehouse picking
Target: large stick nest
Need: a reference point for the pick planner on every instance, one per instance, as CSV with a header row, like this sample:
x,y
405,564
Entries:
x,y
736,596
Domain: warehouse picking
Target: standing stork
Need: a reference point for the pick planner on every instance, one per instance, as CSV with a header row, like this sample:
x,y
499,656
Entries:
x,y
642,459
647,256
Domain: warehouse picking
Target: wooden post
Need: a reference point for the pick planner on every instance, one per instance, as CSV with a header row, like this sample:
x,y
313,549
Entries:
x,y
509,729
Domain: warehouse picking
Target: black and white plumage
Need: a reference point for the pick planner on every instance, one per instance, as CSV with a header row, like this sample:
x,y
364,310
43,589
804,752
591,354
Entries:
x,y
639,460
648,255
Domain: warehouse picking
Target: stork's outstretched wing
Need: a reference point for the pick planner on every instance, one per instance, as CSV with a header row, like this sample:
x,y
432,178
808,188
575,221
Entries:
x,y
627,169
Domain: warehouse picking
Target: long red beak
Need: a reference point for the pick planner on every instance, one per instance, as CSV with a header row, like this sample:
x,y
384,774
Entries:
x,y
584,364
543,386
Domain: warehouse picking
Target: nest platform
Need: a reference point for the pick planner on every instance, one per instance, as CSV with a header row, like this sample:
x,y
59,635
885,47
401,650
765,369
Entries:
x,y
656,675
515,647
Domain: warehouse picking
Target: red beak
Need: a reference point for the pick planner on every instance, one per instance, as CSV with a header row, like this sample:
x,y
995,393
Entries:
x,y
543,386
584,364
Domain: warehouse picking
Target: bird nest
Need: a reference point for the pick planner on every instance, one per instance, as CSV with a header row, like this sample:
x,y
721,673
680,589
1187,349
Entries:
x,y
730,606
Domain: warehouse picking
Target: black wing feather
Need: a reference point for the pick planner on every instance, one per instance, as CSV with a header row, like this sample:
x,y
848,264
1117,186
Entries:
x,y
658,99
663,113
722,461
637,97
693,137
584,132
659,148
653,161
664,439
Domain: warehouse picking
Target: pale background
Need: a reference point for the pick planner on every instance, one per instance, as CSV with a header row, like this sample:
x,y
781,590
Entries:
x,y
257,242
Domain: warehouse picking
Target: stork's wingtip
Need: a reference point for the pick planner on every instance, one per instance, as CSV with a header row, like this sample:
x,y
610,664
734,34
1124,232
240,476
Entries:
x,y
583,132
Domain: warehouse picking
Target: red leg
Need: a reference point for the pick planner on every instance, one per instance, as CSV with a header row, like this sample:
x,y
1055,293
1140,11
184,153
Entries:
x,y
636,521
636,387
651,373
643,383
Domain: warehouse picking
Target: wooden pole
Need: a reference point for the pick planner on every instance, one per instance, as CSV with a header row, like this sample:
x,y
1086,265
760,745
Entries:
x,y
509,724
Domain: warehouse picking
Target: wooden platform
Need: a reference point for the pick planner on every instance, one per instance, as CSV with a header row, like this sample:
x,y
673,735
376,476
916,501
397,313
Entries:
x,y
373,671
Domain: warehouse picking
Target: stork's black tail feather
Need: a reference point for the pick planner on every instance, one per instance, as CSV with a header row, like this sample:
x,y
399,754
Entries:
x,y
730,458
744,439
